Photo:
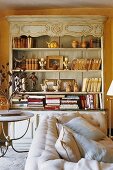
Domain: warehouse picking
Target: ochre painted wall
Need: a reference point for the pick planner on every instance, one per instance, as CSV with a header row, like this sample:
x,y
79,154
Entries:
x,y
108,34
4,40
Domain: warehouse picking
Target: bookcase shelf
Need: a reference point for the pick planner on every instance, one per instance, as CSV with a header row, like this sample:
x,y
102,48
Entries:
x,y
58,71
54,49
60,92
78,54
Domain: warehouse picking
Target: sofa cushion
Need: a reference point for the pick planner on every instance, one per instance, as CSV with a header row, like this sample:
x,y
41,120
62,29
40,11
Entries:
x,y
90,119
66,146
65,117
94,150
59,127
83,127
97,119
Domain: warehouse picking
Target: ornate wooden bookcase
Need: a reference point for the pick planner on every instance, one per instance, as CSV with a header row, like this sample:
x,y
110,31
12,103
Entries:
x,y
47,39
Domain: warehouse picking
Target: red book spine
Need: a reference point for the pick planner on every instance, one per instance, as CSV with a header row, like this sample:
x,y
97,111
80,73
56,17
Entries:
x,y
52,107
35,100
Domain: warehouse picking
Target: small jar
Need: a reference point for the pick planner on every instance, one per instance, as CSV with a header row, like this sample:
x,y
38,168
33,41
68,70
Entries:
x,y
83,44
74,44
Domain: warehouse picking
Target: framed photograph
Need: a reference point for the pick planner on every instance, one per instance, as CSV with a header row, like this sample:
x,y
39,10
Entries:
x,y
65,82
54,62
50,83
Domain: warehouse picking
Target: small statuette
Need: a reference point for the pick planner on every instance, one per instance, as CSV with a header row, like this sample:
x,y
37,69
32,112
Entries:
x,y
68,87
34,80
76,88
66,63
42,63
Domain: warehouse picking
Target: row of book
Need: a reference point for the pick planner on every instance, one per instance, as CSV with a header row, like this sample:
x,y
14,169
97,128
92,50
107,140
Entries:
x,y
86,64
91,85
60,102
91,101
31,64
22,42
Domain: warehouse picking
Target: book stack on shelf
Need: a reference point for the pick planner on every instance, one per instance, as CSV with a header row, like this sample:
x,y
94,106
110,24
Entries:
x,y
52,102
16,103
36,102
69,102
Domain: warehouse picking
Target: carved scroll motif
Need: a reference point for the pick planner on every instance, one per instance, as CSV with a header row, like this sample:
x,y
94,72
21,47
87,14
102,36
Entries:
x,y
84,30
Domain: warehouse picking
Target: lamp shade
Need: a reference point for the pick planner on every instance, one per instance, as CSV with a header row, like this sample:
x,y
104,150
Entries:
x,y
110,90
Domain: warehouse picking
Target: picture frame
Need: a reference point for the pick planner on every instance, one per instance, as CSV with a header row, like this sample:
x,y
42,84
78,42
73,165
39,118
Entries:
x,y
54,62
64,83
50,83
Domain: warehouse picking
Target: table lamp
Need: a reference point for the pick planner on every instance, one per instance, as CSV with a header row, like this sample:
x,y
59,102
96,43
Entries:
x,y
110,93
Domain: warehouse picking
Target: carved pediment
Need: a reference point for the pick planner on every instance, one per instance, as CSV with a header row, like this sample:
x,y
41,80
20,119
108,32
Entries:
x,y
56,26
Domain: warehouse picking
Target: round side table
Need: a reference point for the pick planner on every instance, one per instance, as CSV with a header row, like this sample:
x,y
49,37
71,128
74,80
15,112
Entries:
x,y
12,116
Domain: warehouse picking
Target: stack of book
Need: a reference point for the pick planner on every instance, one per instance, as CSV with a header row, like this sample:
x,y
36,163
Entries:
x,y
70,102
16,103
52,102
36,102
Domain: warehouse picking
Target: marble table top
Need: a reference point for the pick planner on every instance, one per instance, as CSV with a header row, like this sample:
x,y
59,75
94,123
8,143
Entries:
x,y
14,115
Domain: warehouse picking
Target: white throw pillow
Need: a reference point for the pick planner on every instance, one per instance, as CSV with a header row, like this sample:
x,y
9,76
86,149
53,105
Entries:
x,y
94,150
65,117
83,127
66,146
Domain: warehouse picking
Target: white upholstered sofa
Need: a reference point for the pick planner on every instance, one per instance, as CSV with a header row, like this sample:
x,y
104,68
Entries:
x,y
45,154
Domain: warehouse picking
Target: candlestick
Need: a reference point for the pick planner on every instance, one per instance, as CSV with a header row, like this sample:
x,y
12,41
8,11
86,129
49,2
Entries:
x,y
66,59
42,59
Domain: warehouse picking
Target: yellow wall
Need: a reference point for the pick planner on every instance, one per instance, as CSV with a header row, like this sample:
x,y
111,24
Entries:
x,y
108,34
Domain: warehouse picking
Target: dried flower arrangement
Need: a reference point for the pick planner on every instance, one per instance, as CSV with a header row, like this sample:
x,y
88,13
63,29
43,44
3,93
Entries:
x,y
7,81
18,80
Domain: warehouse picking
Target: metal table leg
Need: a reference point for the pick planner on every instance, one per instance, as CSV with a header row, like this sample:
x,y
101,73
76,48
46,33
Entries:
x,y
4,145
